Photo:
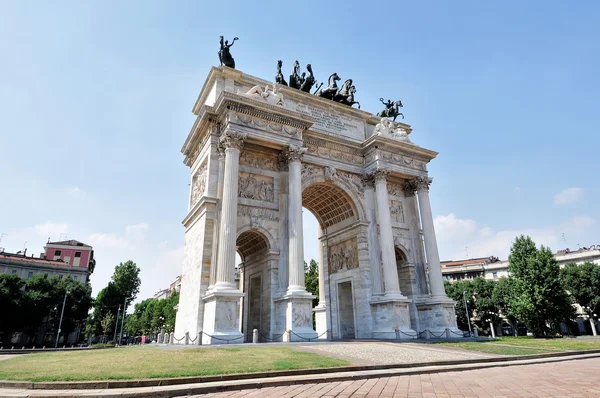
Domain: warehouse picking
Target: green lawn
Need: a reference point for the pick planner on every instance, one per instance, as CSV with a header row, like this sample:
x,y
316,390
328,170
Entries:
x,y
152,362
527,345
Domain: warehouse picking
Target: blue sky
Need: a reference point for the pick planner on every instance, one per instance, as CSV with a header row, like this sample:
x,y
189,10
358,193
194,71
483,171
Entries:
x,y
96,98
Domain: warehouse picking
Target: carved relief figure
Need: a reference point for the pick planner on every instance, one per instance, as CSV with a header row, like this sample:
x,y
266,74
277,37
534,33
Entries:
x,y
272,96
308,171
199,184
259,160
301,317
252,188
396,211
343,255
257,212
354,180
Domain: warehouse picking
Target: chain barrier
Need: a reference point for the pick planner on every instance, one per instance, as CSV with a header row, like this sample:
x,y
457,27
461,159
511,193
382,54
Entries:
x,y
456,333
178,340
271,339
437,337
193,340
415,336
311,338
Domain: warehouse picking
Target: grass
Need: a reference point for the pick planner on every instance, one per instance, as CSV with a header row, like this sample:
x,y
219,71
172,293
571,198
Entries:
x,y
153,362
526,345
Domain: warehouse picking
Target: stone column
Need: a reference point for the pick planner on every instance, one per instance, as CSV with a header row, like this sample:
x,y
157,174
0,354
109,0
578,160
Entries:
x,y
388,254
283,224
225,275
321,260
431,249
216,229
295,231
409,189
374,256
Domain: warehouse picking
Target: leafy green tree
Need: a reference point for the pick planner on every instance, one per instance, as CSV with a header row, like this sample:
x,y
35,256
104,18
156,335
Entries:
x,y
582,281
311,279
485,306
501,297
455,292
538,297
12,299
77,305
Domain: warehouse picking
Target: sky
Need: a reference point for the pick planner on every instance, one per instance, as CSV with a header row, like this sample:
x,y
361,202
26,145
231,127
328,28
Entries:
x,y
96,99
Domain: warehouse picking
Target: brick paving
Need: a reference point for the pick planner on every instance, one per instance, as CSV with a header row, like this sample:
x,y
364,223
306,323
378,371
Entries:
x,y
574,379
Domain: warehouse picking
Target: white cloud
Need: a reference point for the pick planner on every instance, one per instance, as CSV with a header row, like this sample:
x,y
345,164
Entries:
x,y
75,192
109,241
51,229
137,232
454,234
569,195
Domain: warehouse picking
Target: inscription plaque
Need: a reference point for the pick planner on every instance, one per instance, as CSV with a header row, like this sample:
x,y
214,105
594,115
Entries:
x,y
333,122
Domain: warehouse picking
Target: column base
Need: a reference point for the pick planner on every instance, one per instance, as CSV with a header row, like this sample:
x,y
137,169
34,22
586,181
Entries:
x,y
298,318
391,320
437,314
321,322
221,317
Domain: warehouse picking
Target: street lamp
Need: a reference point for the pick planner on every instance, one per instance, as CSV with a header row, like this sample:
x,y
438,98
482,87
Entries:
x,y
61,317
467,312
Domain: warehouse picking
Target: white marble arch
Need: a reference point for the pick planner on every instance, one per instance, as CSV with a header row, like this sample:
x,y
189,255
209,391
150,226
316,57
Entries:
x,y
265,162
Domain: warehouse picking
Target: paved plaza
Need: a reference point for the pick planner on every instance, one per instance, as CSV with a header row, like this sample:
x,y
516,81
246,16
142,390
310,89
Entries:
x,y
579,378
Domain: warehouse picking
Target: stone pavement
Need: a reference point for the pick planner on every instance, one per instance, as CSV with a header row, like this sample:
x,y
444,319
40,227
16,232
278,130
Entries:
x,y
579,378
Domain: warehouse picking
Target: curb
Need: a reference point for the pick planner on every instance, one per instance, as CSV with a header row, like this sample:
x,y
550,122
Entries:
x,y
232,385
409,368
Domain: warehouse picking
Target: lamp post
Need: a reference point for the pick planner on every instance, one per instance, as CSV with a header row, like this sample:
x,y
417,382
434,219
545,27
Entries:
x,y
61,317
467,312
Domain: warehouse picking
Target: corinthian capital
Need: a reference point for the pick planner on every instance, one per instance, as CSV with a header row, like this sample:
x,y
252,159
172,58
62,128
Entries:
x,y
232,139
409,188
295,153
368,180
380,174
422,182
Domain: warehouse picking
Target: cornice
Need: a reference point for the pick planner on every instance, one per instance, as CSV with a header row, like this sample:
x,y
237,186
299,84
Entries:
x,y
391,145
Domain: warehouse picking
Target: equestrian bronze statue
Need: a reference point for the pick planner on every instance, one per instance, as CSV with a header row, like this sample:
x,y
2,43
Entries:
x,y
391,109
309,81
295,78
279,79
329,91
224,55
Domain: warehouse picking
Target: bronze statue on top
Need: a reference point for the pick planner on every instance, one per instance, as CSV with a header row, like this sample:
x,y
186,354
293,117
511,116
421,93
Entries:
x,y
342,93
329,91
224,55
391,109
309,81
295,78
279,79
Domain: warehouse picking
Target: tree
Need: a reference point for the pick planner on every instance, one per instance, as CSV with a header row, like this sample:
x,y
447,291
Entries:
x,y
583,283
501,297
127,280
455,291
488,313
311,279
106,323
537,297
11,301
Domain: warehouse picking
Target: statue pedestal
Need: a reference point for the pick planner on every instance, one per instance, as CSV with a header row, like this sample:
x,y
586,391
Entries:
x,y
391,319
298,317
221,317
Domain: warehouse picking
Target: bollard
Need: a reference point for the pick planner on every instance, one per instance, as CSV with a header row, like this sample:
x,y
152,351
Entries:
x,y
187,338
1,348
255,336
329,335
199,338
447,333
288,336
492,330
172,338
476,332
23,348
427,335
397,334
43,347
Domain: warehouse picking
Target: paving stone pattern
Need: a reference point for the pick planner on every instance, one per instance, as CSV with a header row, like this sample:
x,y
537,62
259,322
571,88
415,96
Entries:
x,y
574,379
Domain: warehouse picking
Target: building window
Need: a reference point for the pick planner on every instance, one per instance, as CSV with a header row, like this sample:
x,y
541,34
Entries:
x,y
14,271
77,254
57,253
60,276
495,275
29,274
74,277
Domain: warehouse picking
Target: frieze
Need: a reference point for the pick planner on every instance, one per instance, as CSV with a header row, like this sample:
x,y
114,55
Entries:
x,y
199,183
259,160
257,187
265,115
309,171
325,149
249,211
274,127
396,158
395,189
343,255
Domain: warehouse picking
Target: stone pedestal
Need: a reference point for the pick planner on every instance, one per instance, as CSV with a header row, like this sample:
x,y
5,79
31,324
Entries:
x,y
437,315
221,317
390,316
298,317
321,322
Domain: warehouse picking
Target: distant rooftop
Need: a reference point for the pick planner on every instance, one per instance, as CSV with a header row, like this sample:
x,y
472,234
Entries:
x,y
71,242
22,257
471,261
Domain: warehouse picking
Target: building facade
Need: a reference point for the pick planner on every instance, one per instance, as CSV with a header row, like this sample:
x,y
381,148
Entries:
x,y
257,156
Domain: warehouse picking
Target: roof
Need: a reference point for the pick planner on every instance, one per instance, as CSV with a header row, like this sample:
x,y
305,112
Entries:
x,y
71,242
20,258
471,261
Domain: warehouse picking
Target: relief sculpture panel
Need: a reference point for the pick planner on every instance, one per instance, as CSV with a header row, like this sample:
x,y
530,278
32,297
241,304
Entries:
x,y
259,160
343,255
396,211
199,183
257,187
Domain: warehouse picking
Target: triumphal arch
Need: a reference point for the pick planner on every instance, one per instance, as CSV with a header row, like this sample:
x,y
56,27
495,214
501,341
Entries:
x,y
259,153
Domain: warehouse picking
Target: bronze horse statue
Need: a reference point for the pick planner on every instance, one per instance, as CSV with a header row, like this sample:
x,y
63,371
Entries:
x,y
349,100
279,79
329,91
295,78
391,109
309,81
343,93
224,55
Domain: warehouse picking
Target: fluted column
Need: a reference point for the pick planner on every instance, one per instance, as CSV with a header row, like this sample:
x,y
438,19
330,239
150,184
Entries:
x,y
296,239
321,260
431,250
374,255
386,237
216,230
232,142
